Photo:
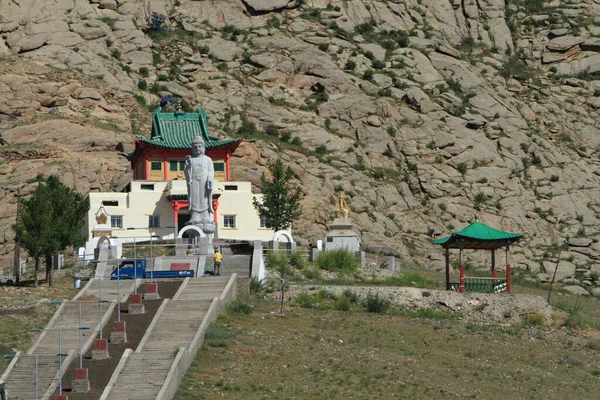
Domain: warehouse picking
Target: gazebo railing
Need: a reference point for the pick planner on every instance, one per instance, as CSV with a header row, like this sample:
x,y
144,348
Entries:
x,y
481,285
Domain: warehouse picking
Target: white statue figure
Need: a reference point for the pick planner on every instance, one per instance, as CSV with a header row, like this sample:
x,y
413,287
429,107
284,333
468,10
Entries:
x,y
199,174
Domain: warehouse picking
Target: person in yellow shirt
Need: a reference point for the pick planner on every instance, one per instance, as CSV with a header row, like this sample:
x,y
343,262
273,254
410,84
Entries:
x,y
218,259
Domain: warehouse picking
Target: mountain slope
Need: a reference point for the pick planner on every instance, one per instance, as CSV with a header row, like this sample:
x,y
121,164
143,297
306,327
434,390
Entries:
x,y
426,115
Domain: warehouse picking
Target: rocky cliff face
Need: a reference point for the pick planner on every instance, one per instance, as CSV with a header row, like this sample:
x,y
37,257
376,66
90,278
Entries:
x,y
426,114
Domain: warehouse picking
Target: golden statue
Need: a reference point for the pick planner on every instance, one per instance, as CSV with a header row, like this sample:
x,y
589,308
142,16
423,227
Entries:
x,y
342,211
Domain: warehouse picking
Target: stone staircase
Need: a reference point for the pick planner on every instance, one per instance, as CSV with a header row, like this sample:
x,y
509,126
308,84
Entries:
x,y
19,378
236,264
157,362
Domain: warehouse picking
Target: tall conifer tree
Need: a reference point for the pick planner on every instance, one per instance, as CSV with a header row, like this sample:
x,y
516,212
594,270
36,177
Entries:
x,y
49,222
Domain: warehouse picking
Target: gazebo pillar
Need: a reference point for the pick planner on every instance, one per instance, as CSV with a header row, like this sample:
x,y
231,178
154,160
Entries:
x,y
494,263
462,272
507,269
447,268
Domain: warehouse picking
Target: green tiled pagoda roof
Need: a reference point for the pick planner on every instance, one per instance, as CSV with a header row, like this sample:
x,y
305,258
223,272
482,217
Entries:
x,y
176,130
478,236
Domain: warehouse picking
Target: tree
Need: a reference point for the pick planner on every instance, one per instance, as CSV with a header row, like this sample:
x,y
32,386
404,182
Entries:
x,y
281,200
50,221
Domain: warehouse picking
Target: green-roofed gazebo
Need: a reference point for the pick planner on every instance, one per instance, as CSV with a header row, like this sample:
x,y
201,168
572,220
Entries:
x,y
479,236
161,157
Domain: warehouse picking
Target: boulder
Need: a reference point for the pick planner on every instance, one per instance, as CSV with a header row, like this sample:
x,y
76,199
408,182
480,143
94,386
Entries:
x,y
221,49
564,43
21,44
268,5
87,93
377,50
576,290
580,242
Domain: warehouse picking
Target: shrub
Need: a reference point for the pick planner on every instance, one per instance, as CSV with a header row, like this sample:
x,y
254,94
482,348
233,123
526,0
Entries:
x,y
462,168
312,274
368,75
295,259
343,304
204,49
374,303
350,65
142,84
144,72
285,136
240,306
248,128
515,67
340,260
296,141
277,102
116,53
272,130
322,150
378,64
257,285
306,300
350,295
535,319
217,336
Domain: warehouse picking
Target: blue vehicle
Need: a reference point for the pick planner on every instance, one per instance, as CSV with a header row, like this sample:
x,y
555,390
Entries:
x,y
130,268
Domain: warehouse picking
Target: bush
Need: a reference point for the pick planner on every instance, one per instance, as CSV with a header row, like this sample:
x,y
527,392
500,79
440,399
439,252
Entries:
x,y
142,84
116,53
340,260
285,136
378,64
144,72
321,150
350,65
374,303
272,130
368,75
305,300
240,306
350,295
217,336
248,128
257,285
343,304
296,141
296,260
276,260
312,274
515,67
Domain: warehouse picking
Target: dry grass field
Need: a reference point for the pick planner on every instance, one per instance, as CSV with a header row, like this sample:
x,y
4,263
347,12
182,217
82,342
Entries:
x,y
23,308
328,347
329,354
